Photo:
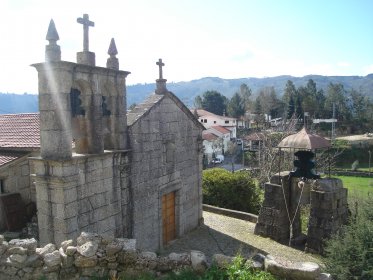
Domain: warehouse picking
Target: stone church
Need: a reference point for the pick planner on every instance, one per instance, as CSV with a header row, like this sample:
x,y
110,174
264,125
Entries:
x,y
101,169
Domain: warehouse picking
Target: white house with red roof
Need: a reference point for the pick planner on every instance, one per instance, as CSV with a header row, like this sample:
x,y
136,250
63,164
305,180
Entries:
x,y
220,130
209,119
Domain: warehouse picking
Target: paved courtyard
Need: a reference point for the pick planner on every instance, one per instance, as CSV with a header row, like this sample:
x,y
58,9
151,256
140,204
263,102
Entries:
x,y
229,236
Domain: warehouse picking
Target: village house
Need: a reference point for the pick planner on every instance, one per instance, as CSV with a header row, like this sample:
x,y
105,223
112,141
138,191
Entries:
x,y
216,140
19,139
97,168
209,119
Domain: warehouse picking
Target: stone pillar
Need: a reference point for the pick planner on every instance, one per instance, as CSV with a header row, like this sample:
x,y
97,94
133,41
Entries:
x,y
329,211
273,219
94,121
55,82
56,199
119,116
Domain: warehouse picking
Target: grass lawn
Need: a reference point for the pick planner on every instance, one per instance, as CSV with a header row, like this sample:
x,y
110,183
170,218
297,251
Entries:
x,y
358,187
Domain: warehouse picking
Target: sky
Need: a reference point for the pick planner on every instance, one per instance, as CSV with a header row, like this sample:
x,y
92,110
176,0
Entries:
x,y
194,38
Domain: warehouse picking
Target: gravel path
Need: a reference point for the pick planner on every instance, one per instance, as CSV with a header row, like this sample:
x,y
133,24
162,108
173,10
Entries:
x,y
229,236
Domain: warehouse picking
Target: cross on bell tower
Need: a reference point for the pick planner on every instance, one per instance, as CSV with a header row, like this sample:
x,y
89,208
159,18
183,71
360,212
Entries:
x,y
160,65
86,57
161,83
86,24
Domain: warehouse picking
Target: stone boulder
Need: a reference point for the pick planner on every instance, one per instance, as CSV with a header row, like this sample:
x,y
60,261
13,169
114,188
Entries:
x,y
146,260
71,250
17,250
222,261
182,258
18,258
298,271
88,249
83,262
198,260
87,236
66,243
52,259
29,244
113,247
49,248
256,262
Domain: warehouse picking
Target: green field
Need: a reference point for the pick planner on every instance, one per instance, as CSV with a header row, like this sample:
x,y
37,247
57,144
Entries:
x,y
358,187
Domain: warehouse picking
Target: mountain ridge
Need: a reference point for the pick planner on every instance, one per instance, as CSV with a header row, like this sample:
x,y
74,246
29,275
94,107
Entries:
x,y
188,90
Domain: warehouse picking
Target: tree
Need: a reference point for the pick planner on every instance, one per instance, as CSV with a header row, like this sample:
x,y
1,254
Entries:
x,y
288,98
298,104
245,94
132,106
198,102
290,108
269,102
309,102
358,105
349,252
336,94
236,107
214,102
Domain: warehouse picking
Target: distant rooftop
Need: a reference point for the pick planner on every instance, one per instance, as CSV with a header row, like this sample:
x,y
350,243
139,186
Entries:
x,y
20,131
202,113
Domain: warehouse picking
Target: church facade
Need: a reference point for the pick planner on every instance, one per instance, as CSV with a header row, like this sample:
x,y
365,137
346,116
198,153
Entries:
x,y
103,170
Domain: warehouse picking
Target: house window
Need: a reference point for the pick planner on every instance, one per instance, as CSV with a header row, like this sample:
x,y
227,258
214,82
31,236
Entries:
x,y
234,121
214,121
205,120
2,186
226,121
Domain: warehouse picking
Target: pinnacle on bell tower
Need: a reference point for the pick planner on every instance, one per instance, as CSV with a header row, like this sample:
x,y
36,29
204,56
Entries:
x,y
112,62
52,51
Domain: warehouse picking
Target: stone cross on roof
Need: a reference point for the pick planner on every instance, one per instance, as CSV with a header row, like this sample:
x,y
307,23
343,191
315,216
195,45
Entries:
x,y
86,24
160,65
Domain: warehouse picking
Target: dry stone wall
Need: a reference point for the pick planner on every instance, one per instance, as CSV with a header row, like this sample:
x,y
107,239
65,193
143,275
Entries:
x,y
90,255
93,255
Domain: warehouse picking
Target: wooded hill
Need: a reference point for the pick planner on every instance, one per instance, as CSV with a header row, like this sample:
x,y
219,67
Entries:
x,y
187,91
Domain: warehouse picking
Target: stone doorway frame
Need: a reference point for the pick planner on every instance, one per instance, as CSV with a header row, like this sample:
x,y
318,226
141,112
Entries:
x,y
175,187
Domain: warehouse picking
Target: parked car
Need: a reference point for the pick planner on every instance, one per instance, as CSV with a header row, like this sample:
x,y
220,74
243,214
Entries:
x,y
218,159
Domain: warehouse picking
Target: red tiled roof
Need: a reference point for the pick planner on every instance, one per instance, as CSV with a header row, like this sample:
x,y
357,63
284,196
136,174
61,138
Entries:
x,y
201,113
221,129
209,136
255,137
6,157
20,131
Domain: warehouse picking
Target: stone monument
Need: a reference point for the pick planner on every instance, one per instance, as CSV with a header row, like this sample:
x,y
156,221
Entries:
x,y
279,217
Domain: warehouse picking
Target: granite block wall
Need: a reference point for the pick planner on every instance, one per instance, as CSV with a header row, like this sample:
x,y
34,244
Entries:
x,y
166,157
81,194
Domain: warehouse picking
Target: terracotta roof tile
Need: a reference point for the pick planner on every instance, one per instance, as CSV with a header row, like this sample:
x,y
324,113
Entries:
x,y
221,129
201,113
20,131
209,136
6,157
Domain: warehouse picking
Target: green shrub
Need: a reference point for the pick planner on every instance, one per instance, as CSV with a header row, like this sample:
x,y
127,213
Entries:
x,y
238,270
236,191
349,255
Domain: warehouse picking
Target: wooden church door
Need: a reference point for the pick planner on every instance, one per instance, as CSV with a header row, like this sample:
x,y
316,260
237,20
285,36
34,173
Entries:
x,y
168,217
